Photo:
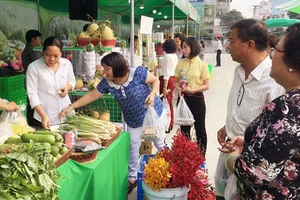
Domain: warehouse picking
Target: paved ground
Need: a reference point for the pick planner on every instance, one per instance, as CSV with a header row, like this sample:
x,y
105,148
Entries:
x,y
216,102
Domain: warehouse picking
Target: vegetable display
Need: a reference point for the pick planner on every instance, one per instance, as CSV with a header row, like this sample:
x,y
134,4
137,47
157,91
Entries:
x,y
54,139
27,172
89,127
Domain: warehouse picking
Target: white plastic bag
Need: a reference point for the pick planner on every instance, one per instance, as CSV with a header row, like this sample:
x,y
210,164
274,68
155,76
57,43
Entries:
x,y
167,111
5,132
231,188
183,115
221,176
16,120
152,127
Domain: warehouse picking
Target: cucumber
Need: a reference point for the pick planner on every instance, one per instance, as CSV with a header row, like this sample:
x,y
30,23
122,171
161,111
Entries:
x,y
13,139
59,145
26,137
54,151
64,150
58,137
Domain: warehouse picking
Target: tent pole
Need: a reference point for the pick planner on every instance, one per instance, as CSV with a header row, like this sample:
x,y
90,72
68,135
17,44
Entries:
x,y
38,15
187,26
131,32
195,33
173,10
199,32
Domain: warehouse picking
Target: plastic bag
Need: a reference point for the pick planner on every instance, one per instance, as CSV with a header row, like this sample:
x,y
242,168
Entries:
x,y
183,115
221,176
231,189
86,146
5,132
152,127
17,120
167,113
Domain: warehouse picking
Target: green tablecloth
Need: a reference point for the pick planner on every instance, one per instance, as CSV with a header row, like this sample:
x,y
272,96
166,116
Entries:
x,y
103,179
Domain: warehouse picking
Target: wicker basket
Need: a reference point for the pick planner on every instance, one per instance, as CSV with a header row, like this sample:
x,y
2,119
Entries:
x,y
106,143
63,158
84,157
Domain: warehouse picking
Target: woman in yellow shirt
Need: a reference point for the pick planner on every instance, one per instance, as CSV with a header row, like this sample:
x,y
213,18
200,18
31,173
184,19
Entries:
x,y
191,79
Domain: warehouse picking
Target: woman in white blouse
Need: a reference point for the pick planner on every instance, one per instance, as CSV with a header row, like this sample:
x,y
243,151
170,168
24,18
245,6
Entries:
x,y
48,81
166,73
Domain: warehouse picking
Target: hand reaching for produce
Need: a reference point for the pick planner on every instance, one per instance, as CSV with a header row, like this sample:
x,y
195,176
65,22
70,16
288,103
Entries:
x,y
65,111
46,122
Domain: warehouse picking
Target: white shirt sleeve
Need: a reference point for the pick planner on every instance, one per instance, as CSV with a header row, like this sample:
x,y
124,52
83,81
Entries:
x,y
32,83
166,65
71,77
79,69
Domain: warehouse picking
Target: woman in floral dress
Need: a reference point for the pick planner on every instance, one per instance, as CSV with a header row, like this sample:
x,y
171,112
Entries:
x,y
266,161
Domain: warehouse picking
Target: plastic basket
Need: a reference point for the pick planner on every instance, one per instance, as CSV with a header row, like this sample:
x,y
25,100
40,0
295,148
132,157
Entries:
x,y
143,160
11,84
19,97
112,105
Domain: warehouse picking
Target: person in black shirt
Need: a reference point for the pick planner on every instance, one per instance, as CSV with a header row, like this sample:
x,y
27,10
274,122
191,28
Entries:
x,y
33,39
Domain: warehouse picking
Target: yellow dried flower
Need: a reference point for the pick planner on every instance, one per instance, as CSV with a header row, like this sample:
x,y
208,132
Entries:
x,y
157,174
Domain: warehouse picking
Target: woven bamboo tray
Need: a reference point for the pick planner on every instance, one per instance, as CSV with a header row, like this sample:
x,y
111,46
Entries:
x,y
63,158
84,157
106,143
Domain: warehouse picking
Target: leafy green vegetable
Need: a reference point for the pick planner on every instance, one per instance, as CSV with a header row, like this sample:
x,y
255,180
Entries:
x,y
27,172
3,41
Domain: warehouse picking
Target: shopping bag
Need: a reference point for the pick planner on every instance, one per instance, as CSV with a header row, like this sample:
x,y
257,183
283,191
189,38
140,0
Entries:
x,y
5,132
183,115
16,120
167,113
152,127
221,176
231,189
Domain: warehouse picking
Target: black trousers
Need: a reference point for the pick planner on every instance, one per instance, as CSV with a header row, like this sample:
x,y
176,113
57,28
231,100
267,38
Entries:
x,y
198,109
218,58
30,120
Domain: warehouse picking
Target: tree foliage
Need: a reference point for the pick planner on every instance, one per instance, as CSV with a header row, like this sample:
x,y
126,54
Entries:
x,y
230,18
293,15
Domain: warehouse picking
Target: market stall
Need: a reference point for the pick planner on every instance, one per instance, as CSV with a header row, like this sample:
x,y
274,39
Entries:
x,y
104,178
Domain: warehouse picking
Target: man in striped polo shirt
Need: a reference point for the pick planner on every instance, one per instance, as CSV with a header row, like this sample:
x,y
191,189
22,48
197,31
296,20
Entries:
x,y
252,87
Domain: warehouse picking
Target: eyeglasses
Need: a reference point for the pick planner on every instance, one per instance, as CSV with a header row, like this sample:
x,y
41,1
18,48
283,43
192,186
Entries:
x,y
240,95
274,49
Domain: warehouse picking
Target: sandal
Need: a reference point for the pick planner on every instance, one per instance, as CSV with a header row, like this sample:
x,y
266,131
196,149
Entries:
x,y
169,130
131,186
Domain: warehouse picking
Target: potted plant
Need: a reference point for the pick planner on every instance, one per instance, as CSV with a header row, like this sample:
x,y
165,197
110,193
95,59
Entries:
x,y
176,172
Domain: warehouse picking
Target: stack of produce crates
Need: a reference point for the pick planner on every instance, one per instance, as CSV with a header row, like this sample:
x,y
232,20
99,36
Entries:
x,y
12,88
